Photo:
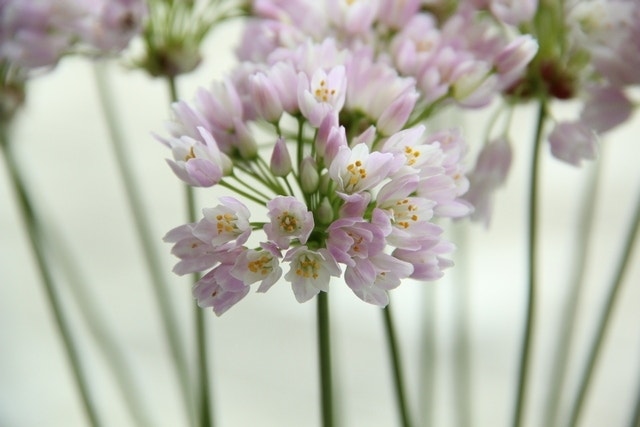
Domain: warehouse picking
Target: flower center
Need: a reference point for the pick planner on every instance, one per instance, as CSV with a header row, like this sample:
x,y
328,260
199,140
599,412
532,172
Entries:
x,y
323,93
190,155
307,268
288,222
260,265
226,223
411,154
405,213
356,172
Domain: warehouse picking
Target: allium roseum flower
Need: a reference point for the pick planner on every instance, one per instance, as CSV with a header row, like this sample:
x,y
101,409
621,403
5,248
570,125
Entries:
x,y
340,184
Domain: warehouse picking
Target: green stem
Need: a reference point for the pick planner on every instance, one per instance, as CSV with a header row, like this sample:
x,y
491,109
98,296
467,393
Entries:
x,y
33,230
204,389
396,366
95,322
564,341
428,357
206,419
635,416
242,193
462,371
605,318
324,353
151,258
532,265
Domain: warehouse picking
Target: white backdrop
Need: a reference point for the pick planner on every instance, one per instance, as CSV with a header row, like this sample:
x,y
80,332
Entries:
x,y
264,367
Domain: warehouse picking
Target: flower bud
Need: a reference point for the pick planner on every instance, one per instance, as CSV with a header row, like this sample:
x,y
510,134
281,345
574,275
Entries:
x,y
280,159
245,143
325,183
265,97
309,177
324,213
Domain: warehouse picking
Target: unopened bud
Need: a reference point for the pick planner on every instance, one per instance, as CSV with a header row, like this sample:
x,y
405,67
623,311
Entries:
x,y
309,177
280,159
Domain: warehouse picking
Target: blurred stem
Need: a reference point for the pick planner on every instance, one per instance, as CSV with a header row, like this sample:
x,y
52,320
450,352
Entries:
x,y
605,317
428,357
396,366
462,371
635,416
324,353
97,326
35,239
525,354
206,419
564,341
152,260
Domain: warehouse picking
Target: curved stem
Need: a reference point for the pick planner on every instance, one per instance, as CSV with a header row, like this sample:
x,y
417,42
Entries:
x,y
564,340
527,341
605,318
35,239
324,353
152,260
204,390
396,365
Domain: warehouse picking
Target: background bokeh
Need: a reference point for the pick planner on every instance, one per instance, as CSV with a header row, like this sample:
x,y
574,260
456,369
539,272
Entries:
x,y
263,351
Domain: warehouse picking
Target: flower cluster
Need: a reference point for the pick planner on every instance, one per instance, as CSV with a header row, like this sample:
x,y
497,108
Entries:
x,y
323,139
35,34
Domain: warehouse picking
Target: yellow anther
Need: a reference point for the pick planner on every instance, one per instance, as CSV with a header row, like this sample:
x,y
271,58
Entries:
x,y
190,155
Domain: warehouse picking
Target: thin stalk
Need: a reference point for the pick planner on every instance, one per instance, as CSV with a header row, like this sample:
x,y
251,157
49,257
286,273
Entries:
x,y
429,357
203,385
151,258
565,338
242,193
635,416
95,322
396,367
462,371
33,230
605,318
204,388
324,353
527,341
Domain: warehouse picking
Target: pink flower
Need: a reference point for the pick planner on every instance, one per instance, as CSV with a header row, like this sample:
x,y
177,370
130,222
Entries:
x,y
310,271
258,265
219,289
489,173
226,226
290,219
197,163
427,261
389,273
355,170
572,142
194,254
605,108
324,94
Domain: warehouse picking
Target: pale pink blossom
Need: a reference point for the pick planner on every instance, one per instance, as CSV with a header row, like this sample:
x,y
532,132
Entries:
x,y
225,226
490,172
573,142
290,219
324,94
310,271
